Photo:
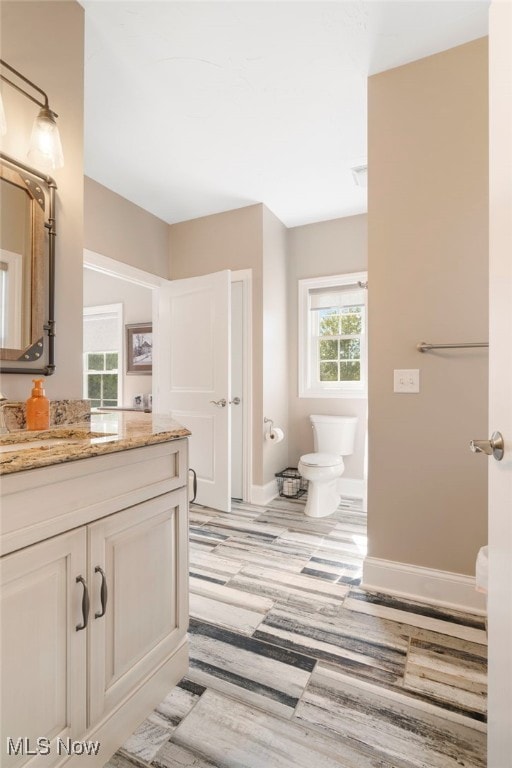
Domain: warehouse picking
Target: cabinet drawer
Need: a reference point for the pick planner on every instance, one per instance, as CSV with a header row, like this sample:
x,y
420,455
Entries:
x,y
43,502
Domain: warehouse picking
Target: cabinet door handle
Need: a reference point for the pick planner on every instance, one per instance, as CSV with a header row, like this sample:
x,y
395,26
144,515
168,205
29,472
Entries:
x,y
85,604
103,593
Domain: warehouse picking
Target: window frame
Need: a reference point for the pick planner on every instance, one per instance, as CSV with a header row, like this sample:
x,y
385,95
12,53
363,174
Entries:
x,y
116,310
11,286
308,383
102,373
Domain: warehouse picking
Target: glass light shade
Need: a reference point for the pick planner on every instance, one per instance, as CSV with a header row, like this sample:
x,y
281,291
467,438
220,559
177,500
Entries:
x,y
45,152
3,124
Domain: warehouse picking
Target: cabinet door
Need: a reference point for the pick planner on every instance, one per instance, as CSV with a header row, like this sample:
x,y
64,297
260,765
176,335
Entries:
x,y
43,656
142,554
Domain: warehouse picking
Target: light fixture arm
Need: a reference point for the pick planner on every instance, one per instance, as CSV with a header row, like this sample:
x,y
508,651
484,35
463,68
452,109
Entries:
x,y
45,148
44,105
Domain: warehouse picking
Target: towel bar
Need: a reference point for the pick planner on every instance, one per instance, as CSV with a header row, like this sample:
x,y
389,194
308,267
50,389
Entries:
x,y
424,347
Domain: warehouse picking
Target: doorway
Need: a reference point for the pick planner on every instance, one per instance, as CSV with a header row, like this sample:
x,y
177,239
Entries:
x,y
239,466
112,306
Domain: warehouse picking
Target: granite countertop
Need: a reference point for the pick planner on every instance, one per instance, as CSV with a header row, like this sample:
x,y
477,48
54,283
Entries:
x,y
105,433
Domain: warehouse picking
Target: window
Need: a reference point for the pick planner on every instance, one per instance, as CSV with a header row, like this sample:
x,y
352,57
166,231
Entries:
x,y
103,344
102,379
332,336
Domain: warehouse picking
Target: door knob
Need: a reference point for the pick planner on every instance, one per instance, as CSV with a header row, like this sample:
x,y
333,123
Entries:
x,y
494,447
235,401
219,403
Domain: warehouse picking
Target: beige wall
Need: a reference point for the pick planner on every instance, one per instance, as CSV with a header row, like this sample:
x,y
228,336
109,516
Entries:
x,y
231,240
275,345
428,272
115,227
44,41
137,307
315,250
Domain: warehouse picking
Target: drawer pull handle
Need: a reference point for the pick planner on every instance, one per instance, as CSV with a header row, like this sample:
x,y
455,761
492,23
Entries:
x,y
103,593
85,604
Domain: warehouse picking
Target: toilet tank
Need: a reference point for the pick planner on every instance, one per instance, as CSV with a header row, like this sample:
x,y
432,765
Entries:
x,y
334,434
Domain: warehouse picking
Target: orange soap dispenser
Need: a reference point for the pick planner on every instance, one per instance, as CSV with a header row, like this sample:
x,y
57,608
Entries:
x,y
38,408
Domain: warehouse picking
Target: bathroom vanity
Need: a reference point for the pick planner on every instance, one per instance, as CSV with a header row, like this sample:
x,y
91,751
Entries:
x,y
94,590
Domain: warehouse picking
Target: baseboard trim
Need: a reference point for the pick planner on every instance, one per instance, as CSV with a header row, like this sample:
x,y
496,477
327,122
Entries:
x,y
349,486
443,588
263,494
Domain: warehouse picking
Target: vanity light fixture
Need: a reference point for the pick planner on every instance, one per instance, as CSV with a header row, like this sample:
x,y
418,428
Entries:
x,y
45,150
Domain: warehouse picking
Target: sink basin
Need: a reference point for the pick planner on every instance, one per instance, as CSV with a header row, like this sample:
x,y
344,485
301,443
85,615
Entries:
x,y
22,441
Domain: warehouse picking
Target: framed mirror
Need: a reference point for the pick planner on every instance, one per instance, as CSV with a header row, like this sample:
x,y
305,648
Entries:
x,y
27,231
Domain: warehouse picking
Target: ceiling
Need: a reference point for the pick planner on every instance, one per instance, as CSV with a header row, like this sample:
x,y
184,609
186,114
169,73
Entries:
x,y
193,108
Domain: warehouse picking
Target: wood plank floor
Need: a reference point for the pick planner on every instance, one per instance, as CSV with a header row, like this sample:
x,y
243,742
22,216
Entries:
x,y
293,665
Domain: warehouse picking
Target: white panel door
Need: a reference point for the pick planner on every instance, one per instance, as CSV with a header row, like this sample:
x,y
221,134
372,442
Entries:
x,y
500,389
191,377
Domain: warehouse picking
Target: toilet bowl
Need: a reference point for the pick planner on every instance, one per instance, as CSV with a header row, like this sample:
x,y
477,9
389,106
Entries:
x,y
333,438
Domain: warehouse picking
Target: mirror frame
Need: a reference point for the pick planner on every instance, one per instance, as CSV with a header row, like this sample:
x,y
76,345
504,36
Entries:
x,y
40,188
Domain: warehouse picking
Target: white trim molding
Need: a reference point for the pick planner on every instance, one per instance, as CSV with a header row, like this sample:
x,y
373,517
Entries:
x,y
351,487
443,588
348,487
245,277
11,288
308,384
261,495
100,263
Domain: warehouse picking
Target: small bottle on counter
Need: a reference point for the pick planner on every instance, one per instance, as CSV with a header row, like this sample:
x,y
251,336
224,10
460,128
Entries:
x,y
38,408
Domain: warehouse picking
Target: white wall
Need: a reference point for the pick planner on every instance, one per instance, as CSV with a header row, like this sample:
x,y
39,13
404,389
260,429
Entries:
x,y
275,344
136,300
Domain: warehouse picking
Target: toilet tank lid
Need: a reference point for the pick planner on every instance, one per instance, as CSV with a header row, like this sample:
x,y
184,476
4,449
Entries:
x,y
324,417
321,460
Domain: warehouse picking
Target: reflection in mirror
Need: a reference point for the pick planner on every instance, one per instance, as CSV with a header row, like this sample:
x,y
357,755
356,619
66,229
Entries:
x,y
26,266
15,265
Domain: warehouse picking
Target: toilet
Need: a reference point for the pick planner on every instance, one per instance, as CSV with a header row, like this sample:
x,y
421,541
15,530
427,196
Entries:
x,y
333,438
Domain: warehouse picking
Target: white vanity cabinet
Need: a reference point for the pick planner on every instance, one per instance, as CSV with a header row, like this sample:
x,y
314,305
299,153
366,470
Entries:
x,y
43,670
94,618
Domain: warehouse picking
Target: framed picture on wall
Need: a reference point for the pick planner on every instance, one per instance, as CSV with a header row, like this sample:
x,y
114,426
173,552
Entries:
x,y
139,348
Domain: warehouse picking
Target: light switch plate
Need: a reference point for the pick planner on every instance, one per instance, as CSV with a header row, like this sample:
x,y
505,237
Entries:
x,y
406,380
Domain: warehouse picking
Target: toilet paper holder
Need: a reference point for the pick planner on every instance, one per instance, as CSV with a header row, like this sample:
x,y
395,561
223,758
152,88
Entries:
x,y
274,434
269,421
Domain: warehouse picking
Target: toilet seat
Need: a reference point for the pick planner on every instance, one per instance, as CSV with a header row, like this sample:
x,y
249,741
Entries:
x,y
321,460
